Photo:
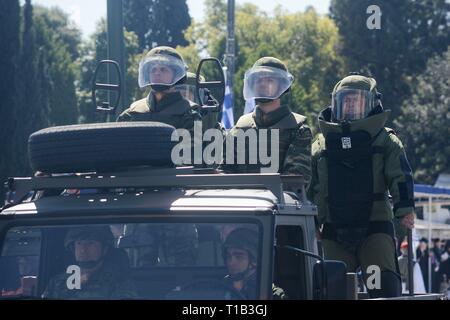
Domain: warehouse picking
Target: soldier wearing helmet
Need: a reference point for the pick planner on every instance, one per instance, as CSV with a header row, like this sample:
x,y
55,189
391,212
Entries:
x,y
265,84
162,69
99,278
240,253
356,163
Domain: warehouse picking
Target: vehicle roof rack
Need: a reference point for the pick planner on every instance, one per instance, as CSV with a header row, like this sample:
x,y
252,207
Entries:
x,y
184,177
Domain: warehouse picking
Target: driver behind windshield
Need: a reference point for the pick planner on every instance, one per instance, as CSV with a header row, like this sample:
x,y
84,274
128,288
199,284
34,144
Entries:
x,y
99,277
240,251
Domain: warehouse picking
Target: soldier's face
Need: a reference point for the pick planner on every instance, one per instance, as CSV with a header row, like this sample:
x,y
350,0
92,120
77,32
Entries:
x,y
238,261
161,73
88,250
266,86
352,107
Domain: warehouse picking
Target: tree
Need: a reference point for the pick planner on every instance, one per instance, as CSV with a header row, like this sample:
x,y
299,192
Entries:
x,y
424,121
157,22
411,33
31,111
91,53
10,44
305,41
59,40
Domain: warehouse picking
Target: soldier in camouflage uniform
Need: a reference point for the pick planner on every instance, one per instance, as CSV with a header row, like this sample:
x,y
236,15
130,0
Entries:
x,y
240,252
100,278
162,69
356,162
266,82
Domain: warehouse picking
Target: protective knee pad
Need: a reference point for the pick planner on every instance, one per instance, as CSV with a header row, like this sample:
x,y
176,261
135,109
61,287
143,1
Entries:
x,y
391,286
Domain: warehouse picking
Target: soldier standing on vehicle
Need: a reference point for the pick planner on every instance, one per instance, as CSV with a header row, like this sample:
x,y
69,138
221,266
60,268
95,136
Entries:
x,y
266,82
100,278
163,68
356,161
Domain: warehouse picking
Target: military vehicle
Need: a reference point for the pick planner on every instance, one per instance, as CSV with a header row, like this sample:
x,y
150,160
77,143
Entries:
x,y
168,222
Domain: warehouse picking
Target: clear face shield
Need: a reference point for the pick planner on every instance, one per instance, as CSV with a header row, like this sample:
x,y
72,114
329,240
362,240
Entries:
x,y
161,70
352,104
266,83
188,92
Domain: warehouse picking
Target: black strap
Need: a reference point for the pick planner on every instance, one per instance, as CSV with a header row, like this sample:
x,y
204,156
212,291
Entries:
x,y
386,227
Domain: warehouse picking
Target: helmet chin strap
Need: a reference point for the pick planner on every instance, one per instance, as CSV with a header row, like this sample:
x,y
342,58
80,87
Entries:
x,y
244,274
89,264
263,100
160,87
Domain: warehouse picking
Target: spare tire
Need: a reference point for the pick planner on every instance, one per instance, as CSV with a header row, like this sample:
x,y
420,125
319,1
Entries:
x,y
100,146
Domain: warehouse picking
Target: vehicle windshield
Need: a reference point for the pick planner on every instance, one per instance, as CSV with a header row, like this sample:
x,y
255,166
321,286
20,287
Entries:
x,y
131,261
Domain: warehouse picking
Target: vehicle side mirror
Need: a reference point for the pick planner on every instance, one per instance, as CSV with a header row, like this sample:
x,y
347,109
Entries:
x,y
211,91
330,280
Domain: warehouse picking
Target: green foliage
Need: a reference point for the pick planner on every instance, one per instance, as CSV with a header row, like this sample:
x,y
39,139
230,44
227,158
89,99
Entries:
x,y
411,33
31,112
91,53
304,41
424,121
10,44
157,22
60,41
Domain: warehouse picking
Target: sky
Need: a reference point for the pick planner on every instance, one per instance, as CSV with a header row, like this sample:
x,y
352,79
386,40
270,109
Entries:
x,y
86,13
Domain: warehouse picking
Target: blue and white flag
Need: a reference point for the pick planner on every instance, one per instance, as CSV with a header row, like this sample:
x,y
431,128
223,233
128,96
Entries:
x,y
227,116
249,106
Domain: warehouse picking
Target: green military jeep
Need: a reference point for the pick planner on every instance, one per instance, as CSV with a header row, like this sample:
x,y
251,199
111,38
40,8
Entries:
x,y
165,225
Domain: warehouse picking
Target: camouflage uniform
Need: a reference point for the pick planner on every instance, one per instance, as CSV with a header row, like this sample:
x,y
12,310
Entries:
x,y
106,283
167,245
294,142
355,210
174,110
294,135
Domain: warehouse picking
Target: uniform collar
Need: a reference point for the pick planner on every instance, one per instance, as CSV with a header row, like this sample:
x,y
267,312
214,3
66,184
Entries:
x,y
269,119
372,124
170,103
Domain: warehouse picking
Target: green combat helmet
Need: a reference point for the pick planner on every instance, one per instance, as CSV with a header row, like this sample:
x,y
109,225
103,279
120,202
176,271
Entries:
x,y
245,239
162,68
98,233
188,89
267,80
354,98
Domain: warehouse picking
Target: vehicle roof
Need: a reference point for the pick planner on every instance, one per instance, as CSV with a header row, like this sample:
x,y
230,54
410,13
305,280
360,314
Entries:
x,y
201,200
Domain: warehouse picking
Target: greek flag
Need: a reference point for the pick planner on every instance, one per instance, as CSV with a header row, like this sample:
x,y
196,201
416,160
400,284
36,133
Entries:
x,y
227,115
249,106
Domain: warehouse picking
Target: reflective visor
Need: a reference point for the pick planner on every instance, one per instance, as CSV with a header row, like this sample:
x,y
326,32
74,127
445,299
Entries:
x,y
352,104
188,92
160,70
266,83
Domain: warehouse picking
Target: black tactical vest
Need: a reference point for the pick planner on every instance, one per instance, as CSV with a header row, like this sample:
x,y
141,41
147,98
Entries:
x,y
351,183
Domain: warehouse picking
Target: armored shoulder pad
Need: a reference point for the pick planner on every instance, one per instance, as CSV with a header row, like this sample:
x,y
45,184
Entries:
x,y
139,106
246,121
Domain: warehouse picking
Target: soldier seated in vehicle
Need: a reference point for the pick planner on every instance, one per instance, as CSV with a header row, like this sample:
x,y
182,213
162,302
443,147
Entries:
x,y
99,276
240,252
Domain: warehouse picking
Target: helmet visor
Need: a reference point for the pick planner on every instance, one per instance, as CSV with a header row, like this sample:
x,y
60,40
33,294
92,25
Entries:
x,y
352,104
161,70
266,83
188,92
